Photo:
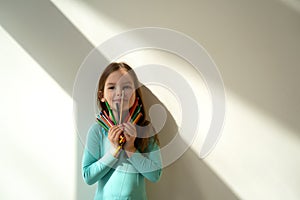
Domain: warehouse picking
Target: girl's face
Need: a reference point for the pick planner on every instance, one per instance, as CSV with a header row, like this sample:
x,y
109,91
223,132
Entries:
x,y
116,82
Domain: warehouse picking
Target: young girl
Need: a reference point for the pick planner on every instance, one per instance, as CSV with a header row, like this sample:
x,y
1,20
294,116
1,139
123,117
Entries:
x,y
121,152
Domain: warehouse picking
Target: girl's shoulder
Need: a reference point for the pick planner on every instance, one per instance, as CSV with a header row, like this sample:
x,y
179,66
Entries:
x,y
96,130
95,127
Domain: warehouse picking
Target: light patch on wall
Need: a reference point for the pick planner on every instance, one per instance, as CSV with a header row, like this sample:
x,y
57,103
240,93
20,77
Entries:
x,y
95,26
256,147
293,4
171,101
37,141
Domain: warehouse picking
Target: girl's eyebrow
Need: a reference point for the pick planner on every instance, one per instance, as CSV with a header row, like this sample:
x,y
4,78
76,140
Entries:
x,y
128,82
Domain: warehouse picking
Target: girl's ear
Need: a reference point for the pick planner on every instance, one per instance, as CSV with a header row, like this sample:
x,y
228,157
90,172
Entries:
x,y
100,96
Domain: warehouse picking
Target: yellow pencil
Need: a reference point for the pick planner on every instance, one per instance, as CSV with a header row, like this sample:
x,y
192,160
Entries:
x,y
137,118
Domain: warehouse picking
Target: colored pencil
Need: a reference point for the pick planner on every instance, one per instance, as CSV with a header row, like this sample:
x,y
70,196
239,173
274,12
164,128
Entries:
x,y
118,112
102,124
107,117
106,121
127,119
137,118
121,107
110,112
136,112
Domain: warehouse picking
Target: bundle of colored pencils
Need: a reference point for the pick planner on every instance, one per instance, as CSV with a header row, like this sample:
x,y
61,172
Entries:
x,y
107,121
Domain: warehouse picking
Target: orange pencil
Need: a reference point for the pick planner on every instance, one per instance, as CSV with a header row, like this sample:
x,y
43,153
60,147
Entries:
x,y
137,118
131,110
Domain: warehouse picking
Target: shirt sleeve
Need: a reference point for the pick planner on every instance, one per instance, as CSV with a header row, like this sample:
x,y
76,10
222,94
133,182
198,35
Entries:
x,y
95,166
148,164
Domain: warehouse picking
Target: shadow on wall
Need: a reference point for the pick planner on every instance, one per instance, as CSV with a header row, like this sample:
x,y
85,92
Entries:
x,y
48,37
188,177
60,48
261,39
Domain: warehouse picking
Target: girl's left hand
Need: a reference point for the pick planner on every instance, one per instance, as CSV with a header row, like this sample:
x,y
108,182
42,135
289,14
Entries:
x,y
130,135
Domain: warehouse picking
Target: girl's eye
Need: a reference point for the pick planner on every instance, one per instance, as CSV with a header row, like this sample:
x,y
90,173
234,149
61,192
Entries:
x,y
111,87
127,87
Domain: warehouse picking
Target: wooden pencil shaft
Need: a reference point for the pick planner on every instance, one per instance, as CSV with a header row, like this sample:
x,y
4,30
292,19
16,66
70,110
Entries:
x,y
117,151
121,107
118,112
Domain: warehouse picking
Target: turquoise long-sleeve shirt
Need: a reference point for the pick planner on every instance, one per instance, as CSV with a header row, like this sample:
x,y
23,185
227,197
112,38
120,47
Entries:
x,y
118,178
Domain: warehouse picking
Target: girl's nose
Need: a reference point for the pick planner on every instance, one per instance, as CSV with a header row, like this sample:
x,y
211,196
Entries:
x,y
118,91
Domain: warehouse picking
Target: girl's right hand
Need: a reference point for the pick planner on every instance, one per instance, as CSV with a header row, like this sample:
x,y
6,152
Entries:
x,y
114,135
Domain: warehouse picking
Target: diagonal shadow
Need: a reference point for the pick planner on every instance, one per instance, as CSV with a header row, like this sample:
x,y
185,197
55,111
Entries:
x,y
268,83
51,39
188,177
48,37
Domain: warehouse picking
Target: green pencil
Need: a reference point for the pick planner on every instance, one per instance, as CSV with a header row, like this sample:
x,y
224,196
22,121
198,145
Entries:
x,y
137,110
110,112
102,124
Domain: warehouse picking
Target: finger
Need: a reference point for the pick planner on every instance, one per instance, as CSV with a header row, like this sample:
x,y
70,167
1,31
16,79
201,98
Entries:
x,y
114,134
129,126
111,130
129,132
114,129
129,136
118,133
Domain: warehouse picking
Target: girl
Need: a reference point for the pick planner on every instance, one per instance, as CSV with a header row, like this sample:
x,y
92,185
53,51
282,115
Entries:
x,y
121,153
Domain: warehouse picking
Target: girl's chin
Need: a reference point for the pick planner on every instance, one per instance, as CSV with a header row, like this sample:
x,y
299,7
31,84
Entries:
x,y
126,107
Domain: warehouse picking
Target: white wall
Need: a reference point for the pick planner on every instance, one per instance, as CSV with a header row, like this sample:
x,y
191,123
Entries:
x,y
37,146
256,46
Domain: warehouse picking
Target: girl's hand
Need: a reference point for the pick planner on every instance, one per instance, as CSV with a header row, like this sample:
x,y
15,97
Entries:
x,y
114,135
130,135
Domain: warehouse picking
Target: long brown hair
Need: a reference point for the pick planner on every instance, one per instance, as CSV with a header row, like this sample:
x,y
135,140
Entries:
x,y
141,143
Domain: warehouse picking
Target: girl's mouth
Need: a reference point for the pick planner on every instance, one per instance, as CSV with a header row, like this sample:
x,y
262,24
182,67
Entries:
x,y
119,100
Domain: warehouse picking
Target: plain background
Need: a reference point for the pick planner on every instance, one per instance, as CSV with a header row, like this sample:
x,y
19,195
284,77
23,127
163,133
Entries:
x,y
255,45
